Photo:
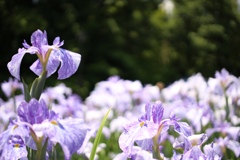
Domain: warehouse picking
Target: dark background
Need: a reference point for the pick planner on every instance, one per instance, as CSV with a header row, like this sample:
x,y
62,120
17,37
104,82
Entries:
x,y
135,39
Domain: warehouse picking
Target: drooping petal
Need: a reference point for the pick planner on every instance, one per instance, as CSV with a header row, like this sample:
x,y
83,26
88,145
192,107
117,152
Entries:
x,y
52,66
69,63
146,144
234,146
136,131
69,133
182,128
15,63
36,67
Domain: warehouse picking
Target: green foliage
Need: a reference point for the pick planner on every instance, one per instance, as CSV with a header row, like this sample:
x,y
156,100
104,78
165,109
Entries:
x,y
134,39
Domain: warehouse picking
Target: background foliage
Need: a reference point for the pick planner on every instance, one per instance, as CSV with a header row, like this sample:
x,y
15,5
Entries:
x,y
136,39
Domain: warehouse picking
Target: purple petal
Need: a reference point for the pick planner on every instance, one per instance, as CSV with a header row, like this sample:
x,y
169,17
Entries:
x,y
182,128
69,63
14,149
234,146
39,38
52,66
148,110
69,133
25,44
157,112
136,131
194,153
145,144
33,112
57,42
15,63
36,67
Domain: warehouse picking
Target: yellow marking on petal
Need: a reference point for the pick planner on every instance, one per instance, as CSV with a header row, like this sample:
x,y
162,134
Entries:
x,y
15,127
54,123
142,123
17,145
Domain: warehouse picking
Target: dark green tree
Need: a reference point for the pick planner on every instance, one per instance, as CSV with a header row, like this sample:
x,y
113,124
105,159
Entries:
x,y
199,36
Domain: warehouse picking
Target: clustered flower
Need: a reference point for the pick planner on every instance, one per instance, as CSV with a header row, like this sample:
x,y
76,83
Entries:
x,y
35,126
190,119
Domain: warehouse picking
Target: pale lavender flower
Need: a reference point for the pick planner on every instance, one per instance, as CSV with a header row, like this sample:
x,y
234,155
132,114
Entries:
x,y
149,125
11,86
225,129
70,133
137,154
14,149
211,152
49,57
136,130
12,142
7,109
223,143
62,101
149,93
191,147
223,82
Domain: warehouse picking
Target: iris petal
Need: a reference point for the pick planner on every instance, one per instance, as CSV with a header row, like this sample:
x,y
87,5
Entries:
x,y
69,63
15,63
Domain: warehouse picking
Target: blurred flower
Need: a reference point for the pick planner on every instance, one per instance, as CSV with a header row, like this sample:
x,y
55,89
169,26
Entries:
x,y
11,86
222,83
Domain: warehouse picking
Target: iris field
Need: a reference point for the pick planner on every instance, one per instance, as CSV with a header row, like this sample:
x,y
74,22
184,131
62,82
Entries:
x,y
193,118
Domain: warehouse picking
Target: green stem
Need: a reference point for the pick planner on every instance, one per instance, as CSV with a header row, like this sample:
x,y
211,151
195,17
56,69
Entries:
x,y
227,106
156,151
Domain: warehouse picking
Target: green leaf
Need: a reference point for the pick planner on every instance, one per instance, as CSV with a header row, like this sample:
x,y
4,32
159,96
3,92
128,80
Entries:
x,y
98,136
44,150
27,96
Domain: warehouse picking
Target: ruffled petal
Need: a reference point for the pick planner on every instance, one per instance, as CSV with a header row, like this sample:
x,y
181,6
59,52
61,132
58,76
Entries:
x,y
39,38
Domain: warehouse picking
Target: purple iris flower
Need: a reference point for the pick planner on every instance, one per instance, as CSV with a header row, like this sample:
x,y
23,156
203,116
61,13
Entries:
x,y
148,126
49,57
137,154
69,133
35,112
15,148
192,148
11,86
12,142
